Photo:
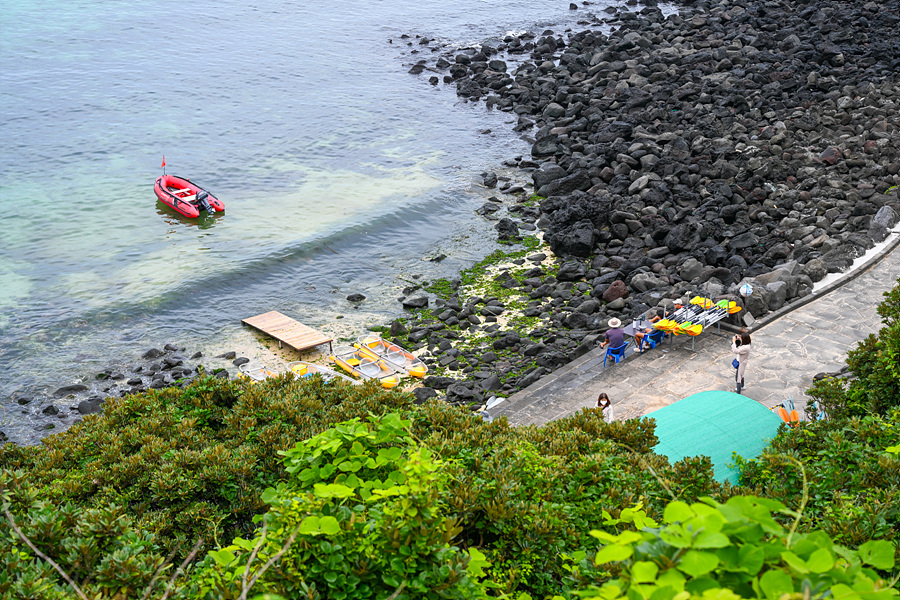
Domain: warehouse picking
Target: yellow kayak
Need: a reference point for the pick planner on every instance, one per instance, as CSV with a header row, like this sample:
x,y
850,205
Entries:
x,y
665,325
359,365
731,306
402,361
702,302
695,329
305,369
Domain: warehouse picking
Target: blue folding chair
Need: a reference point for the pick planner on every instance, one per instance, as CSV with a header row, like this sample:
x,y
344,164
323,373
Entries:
x,y
617,353
652,339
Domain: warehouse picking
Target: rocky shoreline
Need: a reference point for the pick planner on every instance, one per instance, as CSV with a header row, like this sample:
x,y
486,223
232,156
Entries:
x,y
156,368
733,142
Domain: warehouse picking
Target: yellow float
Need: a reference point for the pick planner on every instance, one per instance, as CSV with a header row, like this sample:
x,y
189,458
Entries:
x,y
364,367
402,361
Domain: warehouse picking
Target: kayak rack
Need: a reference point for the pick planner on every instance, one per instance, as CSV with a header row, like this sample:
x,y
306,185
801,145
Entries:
x,y
288,331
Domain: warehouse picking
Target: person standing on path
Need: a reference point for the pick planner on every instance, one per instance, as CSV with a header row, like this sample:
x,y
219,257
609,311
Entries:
x,y
740,345
604,404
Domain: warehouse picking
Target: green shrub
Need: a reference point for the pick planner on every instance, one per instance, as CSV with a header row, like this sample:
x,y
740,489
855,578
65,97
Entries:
x,y
526,496
98,548
190,464
360,516
735,550
875,365
854,483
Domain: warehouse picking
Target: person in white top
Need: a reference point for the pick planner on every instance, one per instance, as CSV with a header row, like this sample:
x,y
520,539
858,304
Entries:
x,y
740,345
605,405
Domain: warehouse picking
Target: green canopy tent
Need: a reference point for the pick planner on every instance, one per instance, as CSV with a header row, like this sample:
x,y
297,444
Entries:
x,y
715,424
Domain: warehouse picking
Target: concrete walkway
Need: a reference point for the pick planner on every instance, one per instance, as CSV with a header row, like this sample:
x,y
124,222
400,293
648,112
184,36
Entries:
x,y
788,349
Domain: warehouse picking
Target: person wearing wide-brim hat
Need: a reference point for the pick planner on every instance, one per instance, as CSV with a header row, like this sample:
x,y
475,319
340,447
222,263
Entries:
x,y
615,337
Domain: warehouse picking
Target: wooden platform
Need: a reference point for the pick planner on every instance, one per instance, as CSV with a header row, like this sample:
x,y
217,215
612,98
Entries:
x,y
286,330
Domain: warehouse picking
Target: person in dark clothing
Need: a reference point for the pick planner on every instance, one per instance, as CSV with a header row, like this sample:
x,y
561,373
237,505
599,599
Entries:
x,y
615,337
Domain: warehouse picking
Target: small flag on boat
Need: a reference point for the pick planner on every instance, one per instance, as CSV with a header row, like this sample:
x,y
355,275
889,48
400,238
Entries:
x,y
164,162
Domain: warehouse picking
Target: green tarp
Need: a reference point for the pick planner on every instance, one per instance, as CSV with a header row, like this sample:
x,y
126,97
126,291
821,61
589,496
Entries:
x,y
715,424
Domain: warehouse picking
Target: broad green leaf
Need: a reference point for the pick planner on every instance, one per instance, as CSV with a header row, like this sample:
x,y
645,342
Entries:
x,y
629,537
730,558
641,521
644,571
795,562
677,511
752,558
696,563
843,592
710,539
578,555
660,593
626,537
222,557
329,526
878,553
603,536
244,544
676,535
390,454
776,583
700,585
612,553
309,525
609,591
720,594
477,562
332,490
672,578
820,561
705,510
865,584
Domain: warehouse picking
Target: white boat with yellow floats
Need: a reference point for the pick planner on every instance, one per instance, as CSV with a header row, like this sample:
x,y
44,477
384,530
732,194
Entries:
x,y
405,363
304,369
363,366
255,372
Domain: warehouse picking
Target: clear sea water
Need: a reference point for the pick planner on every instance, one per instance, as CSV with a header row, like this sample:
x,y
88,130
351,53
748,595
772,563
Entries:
x,y
340,172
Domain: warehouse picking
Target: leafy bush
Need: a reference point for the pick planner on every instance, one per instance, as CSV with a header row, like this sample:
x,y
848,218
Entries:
x,y
875,364
526,496
192,463
854,482
98,548
361,516
735,550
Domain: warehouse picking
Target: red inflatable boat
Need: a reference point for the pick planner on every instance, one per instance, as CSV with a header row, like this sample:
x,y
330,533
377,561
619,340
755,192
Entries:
x,y
185,197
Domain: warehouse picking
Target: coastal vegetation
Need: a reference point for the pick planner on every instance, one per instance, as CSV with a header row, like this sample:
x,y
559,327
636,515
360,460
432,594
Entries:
x,y
680,154
304,489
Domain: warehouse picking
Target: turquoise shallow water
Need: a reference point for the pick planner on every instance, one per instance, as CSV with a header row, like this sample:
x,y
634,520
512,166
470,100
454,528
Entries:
x,y
339,171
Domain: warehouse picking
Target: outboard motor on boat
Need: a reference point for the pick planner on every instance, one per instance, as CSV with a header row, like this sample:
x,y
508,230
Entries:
x,y
204,203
